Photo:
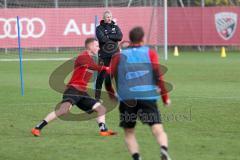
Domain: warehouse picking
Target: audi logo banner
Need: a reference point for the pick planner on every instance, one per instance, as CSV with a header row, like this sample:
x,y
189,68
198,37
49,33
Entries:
x,y
70,27
34,27
63,27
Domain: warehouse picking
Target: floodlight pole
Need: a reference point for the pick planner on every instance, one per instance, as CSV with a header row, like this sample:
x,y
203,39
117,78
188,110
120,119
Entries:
x,y
106,3
56,6
203,3
129,3
202,48
5,6
144,3
56,3
165,29
181,2
5,3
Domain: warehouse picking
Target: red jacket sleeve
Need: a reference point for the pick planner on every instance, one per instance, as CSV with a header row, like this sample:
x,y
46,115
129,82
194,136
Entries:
x,y
114,64
158,75
87,61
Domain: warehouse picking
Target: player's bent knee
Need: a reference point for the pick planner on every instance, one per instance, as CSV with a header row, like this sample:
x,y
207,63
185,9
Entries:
x,y
157,129
129,130
65,108
98,107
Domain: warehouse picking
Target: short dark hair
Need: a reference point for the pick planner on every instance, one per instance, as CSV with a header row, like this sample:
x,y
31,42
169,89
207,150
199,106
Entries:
x,y
136,34
89,40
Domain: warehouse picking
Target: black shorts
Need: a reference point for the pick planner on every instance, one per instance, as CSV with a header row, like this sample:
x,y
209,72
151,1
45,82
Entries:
x,y
79,98
144,110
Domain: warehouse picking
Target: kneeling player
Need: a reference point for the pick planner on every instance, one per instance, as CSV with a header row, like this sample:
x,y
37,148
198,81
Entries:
x,y
76,94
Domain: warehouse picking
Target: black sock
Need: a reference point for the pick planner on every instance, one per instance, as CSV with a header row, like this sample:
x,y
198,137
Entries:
x,y
164,148
41,124
136,156
102,127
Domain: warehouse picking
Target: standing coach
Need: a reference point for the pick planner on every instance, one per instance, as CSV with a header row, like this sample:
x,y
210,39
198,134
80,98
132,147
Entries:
x,y
108,35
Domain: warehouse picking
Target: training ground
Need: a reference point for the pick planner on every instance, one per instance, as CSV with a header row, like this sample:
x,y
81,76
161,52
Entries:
x,y
202,123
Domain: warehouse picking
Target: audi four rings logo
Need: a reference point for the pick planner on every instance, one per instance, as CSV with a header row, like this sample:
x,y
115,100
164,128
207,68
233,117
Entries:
x,y
34,27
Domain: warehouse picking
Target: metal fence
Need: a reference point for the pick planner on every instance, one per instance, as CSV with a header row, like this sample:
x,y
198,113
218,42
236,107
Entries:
x,y
112,3
76,3
122,3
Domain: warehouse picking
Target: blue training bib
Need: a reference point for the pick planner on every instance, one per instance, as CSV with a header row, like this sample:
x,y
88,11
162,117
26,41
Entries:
x,y
135,75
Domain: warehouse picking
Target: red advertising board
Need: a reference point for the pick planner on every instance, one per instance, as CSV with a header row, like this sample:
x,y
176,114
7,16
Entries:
x,y
204,26
70,27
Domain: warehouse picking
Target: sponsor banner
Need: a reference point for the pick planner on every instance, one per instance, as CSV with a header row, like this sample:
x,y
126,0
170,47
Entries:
x,y
70,27
204,26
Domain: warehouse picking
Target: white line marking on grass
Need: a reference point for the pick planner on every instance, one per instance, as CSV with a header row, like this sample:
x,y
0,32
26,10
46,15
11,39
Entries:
x,y
34,59
30,104
203,97
54,103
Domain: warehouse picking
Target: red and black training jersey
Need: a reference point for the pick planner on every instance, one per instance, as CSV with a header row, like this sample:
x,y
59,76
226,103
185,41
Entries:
x,y
84,67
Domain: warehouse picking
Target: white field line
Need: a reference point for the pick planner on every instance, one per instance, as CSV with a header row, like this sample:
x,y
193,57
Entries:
x,y
174,98
33,59
33,104
206,97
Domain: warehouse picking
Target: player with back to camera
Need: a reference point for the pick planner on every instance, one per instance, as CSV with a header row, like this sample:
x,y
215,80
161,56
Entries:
x,y
138,83
76,91
108,34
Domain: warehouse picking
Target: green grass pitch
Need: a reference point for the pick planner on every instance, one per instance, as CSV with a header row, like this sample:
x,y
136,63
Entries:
x,y
202,123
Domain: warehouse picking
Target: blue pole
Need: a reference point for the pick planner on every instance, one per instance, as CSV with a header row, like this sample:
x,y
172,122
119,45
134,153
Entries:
x,y
20,57
96,23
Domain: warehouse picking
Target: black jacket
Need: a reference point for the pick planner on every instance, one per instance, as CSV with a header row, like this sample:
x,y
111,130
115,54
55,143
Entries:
x,y
108,34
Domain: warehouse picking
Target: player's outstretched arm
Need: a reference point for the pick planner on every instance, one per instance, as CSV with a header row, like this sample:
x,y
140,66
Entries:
x,y
86,61
159,78
114,64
